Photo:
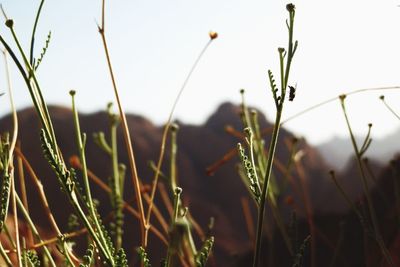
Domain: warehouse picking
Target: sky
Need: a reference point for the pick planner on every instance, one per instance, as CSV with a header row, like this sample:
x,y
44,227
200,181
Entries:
x,y
343,46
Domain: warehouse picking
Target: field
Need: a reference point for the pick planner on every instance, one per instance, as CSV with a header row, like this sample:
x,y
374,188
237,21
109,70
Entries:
x,y
113,189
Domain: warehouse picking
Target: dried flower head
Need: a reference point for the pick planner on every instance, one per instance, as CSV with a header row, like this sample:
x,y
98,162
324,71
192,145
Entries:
x,y
174,127
213,35
290,7
9,23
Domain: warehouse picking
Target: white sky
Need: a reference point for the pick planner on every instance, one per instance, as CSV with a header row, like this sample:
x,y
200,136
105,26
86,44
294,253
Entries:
x,y
343,45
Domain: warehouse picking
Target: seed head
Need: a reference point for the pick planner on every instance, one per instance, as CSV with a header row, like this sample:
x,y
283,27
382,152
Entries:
x,y
72,92
174,127
178,190
213,35
290,7
9,23
382,97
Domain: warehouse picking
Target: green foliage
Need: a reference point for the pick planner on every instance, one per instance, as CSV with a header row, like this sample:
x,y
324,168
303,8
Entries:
x,y
298,261
274,88
143,257
99,139
73,222
31,258
250,174
203,254
120,259
88,257
287,54
5,180
63,175
43,53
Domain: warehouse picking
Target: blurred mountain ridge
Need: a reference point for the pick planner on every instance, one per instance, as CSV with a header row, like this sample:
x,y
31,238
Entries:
x,y
338,151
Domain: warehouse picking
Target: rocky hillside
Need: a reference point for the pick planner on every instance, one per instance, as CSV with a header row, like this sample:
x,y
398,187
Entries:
x,y
219,195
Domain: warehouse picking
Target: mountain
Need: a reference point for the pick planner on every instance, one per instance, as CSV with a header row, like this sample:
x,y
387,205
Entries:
x,y
338,150
306,187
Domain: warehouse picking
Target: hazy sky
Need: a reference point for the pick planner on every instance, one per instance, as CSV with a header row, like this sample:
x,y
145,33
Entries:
x,y
343,45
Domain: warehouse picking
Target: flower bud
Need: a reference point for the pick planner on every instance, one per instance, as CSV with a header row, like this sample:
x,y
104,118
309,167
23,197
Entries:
x,y
213,35
9,23
290,7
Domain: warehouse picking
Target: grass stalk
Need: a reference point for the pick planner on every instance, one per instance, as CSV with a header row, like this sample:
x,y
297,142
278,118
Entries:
x,y
21,176
279,100
213,35
34,230
263,199
81,142
382,97
31,56
126,206
366,189
5,257
125,129
333,99
15,218
11,161
117,183
37,91
42,196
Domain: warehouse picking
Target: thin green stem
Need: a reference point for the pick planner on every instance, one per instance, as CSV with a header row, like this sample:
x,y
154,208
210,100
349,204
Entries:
x,y
171,245
15,213
117,193
332,99
364,180
260,219
290,50
165,133
36,93
174,148
283,81
28,84
389,107
89,201
75,203
275,133
5,256
34,31
34,230
11,162
127,138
